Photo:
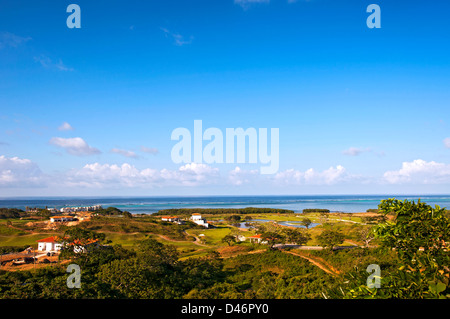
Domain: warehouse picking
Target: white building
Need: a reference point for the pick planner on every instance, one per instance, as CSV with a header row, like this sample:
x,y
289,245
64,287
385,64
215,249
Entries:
x,y
61,219
172,219
197,218
49,244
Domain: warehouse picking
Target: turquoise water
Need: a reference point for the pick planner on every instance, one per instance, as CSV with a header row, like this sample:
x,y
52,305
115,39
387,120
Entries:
x,y
283,223
148,205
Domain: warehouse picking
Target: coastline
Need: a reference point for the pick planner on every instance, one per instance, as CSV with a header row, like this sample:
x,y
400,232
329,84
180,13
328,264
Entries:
x,y
149,205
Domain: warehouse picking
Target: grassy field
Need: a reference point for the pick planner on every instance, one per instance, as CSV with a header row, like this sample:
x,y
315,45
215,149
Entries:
x,y
21,240
127,232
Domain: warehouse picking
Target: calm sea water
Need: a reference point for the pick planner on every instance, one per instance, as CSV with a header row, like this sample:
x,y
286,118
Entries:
x,y
153,204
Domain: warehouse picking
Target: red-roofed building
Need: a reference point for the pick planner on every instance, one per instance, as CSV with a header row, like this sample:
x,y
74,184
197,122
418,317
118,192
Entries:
x,y
52,243
256,239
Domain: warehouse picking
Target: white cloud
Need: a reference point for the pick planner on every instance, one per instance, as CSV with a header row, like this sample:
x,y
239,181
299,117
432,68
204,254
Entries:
x,y
447,142
245,4
126,175
75,146
332,175
17,172
149,150
8,39
65,127
46,62
355,151
125,153
238,176
177,38
419,172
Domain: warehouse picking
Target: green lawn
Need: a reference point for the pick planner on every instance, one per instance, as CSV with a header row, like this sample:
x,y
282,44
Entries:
x,y
125,240
21,240
213,236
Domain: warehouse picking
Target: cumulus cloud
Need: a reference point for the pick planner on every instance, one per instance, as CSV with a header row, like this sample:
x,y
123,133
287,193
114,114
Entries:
x,y
126,175
332,175
194,174
18,172
74,146
125,153
238,176
419,172
65,127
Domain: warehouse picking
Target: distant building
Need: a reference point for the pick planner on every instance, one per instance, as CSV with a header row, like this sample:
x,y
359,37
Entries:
x,y
257,239
80,209
240,237
80,246
49,244
197,218
172,219
53,244
61,219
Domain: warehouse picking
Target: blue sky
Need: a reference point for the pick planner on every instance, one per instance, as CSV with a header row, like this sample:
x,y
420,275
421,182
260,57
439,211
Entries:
x,y
359,110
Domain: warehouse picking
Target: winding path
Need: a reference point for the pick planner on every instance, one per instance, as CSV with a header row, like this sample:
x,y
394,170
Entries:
x,y
319,262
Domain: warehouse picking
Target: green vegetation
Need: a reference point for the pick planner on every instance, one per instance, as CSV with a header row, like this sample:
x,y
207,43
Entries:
x,y
420,236
229,239
306,222
315,210
222,211
125,256
6,213
109,211
330,238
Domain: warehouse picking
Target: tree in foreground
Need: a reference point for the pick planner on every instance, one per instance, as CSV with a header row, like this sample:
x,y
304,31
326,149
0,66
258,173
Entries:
x,y
420,235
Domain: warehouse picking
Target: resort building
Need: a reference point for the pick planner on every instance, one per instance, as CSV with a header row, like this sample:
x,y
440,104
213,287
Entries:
x,y
61,219
49,244
197,218
256,239
80,209
54,244
172,219
240,237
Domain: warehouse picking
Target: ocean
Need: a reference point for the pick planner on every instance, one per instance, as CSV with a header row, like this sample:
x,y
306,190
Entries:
x,y
149,205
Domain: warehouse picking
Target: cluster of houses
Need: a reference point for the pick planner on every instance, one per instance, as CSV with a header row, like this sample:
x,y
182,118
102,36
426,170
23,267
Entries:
x,y
199,220
65,209
62,219
55,244
196,218
256,239
80,209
